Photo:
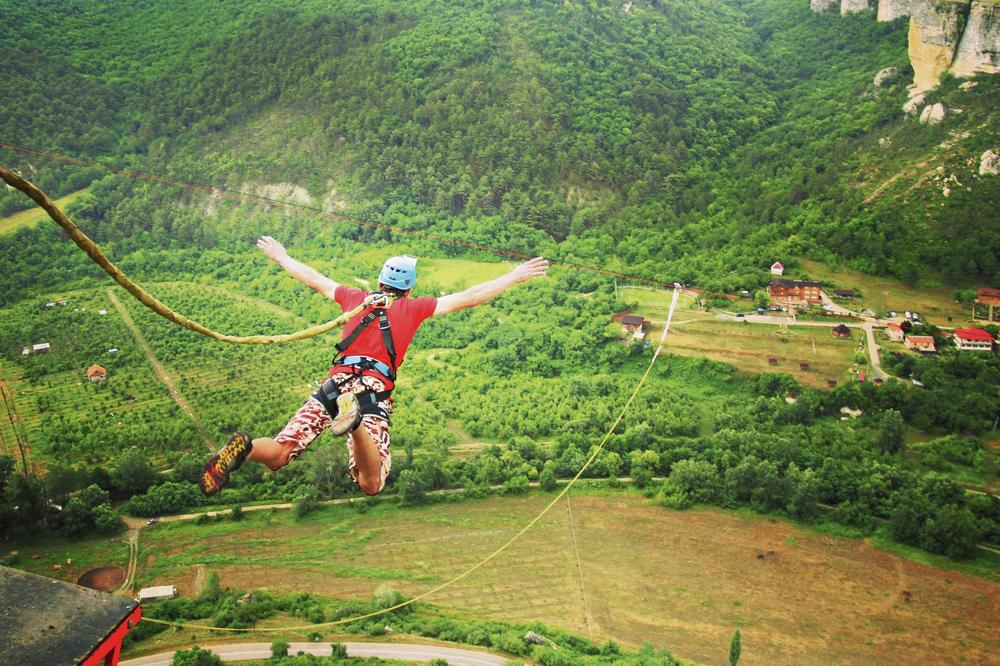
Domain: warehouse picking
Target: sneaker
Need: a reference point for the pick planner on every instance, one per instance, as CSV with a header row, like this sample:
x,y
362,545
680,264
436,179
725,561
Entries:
x,y
225,462
348,414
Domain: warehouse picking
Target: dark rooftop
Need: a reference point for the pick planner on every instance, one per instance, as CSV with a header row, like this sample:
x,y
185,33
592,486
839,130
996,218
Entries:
x,y
47,622
632,320
791,284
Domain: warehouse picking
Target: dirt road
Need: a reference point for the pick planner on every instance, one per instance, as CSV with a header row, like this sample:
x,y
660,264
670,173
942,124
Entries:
x,y
161,372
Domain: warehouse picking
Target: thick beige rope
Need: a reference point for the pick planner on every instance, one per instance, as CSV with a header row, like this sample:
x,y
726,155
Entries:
x,y
85,243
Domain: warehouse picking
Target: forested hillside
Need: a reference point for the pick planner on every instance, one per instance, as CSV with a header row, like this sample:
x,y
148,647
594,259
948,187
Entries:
x,y
684,140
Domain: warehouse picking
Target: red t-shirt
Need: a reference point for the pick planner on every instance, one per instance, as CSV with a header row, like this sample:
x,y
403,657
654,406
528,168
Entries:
x,y
405,316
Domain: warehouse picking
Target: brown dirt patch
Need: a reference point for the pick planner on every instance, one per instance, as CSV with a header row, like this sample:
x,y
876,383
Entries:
x,y
105,579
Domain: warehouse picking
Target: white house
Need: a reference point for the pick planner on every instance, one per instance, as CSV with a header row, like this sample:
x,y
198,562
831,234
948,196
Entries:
x,y
157,593
777,268
896,332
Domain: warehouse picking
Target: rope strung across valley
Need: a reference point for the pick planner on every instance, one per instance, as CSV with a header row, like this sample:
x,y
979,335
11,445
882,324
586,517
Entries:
x,y
297,207
87,244
308,628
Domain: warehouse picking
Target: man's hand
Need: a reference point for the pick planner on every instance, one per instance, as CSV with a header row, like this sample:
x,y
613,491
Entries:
x,y
532,268
272,248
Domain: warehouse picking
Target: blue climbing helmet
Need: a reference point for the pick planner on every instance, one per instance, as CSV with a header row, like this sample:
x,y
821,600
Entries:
x,y
399,272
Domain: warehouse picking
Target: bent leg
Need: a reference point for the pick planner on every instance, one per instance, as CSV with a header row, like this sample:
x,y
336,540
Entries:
x,y
269,452
307,424
370,460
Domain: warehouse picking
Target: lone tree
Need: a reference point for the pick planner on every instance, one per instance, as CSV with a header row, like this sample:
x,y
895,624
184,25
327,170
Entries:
x,y
734,649
891,431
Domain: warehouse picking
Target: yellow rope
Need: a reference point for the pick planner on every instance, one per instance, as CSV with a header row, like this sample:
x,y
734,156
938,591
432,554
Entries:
x,y
85,243
312,627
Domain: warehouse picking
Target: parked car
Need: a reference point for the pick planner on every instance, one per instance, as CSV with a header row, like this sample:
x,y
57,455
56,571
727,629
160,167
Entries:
x,y
739,314
152,521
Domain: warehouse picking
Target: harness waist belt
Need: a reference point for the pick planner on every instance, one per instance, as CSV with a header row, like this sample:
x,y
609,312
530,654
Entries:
x,y
374,364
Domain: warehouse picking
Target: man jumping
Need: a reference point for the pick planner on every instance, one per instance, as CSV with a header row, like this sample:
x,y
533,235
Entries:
x,y
355,399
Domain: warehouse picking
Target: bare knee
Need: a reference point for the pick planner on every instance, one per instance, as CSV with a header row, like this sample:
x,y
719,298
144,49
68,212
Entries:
x,y
370,486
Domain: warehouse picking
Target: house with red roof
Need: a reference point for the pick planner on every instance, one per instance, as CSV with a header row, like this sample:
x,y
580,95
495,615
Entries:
x,y
973,339
777,268
920,343
987,305
795,292
896,333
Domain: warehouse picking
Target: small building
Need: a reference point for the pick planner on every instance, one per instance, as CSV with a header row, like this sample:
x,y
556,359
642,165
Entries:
x,y
26,351
97,373
841,331
831,383
794,292
40,348
987,305
845,293
803,365
920,343
895,331
973,339
772,360
157,593
633,325
777,268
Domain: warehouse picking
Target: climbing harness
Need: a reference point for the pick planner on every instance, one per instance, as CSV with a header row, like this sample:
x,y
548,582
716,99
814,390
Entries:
x,y
378,312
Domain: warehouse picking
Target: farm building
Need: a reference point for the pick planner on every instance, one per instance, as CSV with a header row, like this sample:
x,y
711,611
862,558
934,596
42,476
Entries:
x,y
794,292
633,325
777,268
841,331
845,293
987,305
40,348
973,339
157,593
97,373
920,343
895,332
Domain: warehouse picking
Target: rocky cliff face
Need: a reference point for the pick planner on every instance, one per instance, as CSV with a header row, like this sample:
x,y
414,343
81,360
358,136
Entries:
x,y
890,10
935,30
960,36
979,50
854,6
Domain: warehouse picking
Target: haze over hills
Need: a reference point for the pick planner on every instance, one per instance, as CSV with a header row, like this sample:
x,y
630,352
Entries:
x,y
689,140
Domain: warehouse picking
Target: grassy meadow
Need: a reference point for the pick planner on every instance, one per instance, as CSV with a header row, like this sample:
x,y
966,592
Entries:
x,y
26,219
602,565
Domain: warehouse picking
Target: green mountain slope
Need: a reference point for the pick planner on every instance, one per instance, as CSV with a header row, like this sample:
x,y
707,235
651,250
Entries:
x,y
675,139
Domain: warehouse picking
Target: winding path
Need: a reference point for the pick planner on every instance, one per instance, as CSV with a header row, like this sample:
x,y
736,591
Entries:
x,y
402,651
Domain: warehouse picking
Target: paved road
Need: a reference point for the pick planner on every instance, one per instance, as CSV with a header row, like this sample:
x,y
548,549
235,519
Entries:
x,y
402,651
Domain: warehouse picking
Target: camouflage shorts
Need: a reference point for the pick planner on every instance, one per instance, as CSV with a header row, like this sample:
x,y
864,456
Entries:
x,y
312,420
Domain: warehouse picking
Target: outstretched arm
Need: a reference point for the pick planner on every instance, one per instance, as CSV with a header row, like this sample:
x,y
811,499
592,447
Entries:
x,y
310,277
483,292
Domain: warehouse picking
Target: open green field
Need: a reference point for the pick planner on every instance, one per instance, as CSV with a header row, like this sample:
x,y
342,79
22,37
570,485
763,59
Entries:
x,y
29,218
935,304
610,565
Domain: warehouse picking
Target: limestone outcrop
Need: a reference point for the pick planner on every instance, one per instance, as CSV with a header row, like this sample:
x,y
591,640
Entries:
x,y
989,164
935,30
885,77
890,10
933,114
957,36
979,50
854,6
823,5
